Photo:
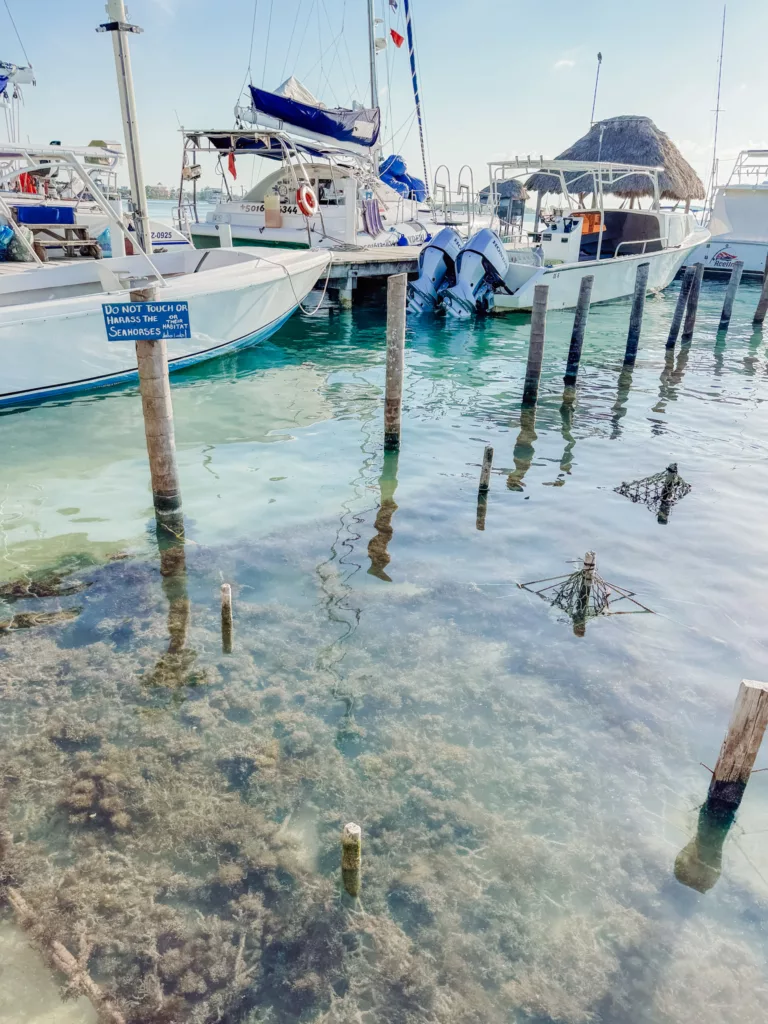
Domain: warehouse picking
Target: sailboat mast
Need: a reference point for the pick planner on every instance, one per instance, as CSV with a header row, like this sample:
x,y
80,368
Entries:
x,y
372,52
713,174
416,95
119,27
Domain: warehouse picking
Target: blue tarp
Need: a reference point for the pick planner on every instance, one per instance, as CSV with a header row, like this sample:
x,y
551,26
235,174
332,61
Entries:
x,y
393,172
360,127
3,83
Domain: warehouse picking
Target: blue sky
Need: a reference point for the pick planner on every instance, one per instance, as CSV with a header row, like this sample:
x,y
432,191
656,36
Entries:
x,y
497,78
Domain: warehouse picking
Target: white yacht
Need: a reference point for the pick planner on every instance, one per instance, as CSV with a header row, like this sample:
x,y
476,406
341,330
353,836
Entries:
x,y
738,220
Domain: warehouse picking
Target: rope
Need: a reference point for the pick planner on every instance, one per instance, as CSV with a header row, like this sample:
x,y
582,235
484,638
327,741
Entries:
x,y
299,303
248,76
21,44
266,45
290,41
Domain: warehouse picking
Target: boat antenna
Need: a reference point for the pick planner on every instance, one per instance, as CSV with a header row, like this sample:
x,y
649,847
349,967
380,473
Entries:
x,y
416,96
120,27
597,79
713,172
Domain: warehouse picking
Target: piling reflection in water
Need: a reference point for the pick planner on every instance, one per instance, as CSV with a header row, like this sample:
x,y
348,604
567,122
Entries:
x,y
698,865
524,451
377,547
566,420
174,666
751,361
620,405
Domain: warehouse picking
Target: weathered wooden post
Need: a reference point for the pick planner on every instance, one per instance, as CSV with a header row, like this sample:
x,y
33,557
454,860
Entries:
x,y
741,744
693,303
667,493
482,491
536,344
155,388
397,288
762,305
226,618
351,857
699,863
585,592
577,335
730,294
682,301
636,314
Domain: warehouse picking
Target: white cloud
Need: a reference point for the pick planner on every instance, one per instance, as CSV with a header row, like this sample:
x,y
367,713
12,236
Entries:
x,y
560,64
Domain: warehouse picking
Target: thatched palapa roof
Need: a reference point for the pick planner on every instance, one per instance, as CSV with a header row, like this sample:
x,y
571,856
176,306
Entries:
x,y
512,188
627,139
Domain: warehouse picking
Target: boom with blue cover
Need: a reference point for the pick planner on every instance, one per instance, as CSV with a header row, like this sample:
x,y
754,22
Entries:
x,y
359,127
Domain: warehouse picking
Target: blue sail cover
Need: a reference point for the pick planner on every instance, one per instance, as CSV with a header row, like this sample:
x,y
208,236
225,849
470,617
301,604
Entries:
x,y
3,83
359,127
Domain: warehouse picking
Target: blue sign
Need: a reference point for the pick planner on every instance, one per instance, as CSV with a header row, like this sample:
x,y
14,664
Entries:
x,y
137,321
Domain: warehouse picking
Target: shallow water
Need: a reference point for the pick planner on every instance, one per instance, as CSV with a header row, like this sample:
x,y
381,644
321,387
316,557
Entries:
x,y
524,793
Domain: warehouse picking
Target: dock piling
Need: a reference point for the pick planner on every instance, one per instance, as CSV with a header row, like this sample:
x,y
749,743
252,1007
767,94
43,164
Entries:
x,y
762,305
226,618
730,294
351,857
155,388
482,491
397,288
585,592
577,335
741,744
636,315
693,302
536,344
682,301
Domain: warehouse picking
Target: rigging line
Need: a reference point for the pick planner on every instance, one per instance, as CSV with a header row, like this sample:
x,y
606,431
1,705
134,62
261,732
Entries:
x,y
336,56
248,77
351,65
266,45
304,34
290,41
21,44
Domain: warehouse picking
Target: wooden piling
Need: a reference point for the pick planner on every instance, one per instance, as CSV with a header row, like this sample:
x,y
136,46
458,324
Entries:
x,y
577,335
693,302
762,305
682,301
667,493
482,491
585,592
636,314
226,618
351,855
741,744
155,388
536,344
730,294
397,288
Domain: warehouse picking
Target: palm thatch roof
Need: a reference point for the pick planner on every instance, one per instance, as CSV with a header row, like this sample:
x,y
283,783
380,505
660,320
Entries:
x,y
512,188
628,139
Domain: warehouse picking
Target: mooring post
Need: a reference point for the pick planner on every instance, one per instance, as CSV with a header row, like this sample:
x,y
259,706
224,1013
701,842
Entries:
x,y
693,302
536,344
682,300
636,314
226,618
699,863
397,288
482,491
762,305
667,493
352,856
155,388
585,592
730,294
577,335
741,744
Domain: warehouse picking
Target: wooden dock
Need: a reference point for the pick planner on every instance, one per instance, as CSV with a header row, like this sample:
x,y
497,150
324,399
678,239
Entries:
x,y
348,266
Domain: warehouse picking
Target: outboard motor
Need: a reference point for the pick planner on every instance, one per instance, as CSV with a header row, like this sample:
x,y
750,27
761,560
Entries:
x,y
437,267
480,268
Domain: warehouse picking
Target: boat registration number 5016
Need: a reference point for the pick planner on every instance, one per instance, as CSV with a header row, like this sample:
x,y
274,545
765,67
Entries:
x,y
153,321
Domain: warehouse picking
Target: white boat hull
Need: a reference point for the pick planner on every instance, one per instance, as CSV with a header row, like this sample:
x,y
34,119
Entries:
x,y
53,348
614,278
719,255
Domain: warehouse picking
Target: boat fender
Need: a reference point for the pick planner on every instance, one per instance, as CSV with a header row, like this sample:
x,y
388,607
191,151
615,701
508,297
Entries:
x,y
306,200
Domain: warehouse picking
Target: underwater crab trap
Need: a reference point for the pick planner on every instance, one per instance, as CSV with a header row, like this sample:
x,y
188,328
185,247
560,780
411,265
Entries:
x,y
584,595
658,493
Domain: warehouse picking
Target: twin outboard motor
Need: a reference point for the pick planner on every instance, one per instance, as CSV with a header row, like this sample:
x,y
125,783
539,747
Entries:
x,y
481,267
437,268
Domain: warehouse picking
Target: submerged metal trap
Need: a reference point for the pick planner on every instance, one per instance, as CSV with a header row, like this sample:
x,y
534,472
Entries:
x,y
658,493
584,595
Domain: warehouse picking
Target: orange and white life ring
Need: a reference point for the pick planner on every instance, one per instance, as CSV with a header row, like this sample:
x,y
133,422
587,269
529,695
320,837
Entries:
x,y
306,200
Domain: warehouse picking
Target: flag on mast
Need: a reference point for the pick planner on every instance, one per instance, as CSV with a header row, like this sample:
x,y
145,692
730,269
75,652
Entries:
x,y
397,39
231,164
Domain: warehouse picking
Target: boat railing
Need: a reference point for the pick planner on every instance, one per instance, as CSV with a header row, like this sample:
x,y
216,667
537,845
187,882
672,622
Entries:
x,y
644,242
468,189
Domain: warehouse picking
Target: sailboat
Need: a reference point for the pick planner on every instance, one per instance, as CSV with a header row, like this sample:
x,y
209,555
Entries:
x,y
330,188
72,326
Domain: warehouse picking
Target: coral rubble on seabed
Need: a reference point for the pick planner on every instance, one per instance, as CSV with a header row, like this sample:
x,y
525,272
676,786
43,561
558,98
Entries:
x,y
183,839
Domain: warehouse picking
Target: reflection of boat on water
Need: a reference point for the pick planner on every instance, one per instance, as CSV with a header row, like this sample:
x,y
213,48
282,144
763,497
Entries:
x,y
738,221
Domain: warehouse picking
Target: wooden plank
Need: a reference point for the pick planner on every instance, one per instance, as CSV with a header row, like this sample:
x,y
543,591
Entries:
x,y
746,729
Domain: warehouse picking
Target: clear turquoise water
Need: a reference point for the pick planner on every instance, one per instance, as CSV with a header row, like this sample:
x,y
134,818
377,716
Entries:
x,y
523,793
